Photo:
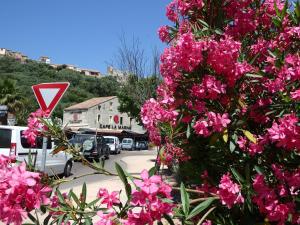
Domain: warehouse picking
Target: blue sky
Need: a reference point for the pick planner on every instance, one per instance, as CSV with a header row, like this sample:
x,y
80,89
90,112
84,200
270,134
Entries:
x,y
80,32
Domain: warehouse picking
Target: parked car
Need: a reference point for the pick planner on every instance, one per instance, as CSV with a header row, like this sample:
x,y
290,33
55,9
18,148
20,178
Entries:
x,y
141,145
128,144
12,143
113,143
91,146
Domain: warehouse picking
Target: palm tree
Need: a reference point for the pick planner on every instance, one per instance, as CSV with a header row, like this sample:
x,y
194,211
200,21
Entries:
x,y
10,96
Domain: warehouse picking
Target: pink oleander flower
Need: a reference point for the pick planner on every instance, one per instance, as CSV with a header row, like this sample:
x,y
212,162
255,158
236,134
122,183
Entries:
x,y
20,192
108,199
148,184
207,222
286,133
268,200
172,152
148,200
106,218
153,113
184,56
35,127
295,95
163,33
229,192
210,88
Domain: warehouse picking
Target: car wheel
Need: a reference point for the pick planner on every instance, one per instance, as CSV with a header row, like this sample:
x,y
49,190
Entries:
x,y
68,169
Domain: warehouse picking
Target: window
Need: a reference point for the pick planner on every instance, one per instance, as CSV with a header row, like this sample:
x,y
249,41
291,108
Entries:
x,y
39,143
99,118
5,138
99,107
110,119
121,120
24,141
110,106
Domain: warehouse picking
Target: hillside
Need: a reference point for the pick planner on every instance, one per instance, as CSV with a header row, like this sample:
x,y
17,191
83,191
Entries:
x,y
81,86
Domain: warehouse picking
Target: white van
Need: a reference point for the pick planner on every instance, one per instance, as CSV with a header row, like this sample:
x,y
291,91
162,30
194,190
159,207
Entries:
x,y
113,143
12,143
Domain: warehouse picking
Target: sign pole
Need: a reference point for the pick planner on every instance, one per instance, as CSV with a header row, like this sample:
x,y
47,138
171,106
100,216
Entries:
x,y
44,154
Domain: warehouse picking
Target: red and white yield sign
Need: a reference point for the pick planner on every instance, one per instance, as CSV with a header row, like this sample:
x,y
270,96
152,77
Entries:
x,y
49,94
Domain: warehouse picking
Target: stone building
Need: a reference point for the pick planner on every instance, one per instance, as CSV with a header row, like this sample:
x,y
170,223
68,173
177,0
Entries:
x,y
100,113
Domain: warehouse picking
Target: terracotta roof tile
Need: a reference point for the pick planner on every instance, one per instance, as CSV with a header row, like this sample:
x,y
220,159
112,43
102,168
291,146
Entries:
x,y
90,103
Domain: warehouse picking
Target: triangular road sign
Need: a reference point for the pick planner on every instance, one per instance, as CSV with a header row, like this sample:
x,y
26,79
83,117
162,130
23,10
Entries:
x,y
49,94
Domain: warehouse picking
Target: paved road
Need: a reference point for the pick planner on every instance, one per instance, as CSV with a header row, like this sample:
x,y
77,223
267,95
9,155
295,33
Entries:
x,y
133,161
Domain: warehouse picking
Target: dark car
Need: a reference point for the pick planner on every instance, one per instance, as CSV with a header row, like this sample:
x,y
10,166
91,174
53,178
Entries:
x,y
141,145
91,146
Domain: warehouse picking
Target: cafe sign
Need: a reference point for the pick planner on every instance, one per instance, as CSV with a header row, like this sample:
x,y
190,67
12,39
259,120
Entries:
x,y
114,127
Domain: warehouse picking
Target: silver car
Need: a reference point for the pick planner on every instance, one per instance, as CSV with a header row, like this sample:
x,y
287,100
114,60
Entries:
x,y
128,144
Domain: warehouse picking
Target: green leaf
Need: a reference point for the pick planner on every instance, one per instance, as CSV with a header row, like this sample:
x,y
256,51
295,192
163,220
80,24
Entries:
x,y
46,220
31,217
199,208
225,136
232,146
93,203
237,175
188,131
203,23
185,200
253,75
152,171
60,219
83,196
123,178
259,169
60,196
88,221
75,198
218,31
276,22
169,219
250,136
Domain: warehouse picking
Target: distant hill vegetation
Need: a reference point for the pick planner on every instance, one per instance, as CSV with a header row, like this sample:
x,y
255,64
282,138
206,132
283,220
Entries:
x,y
24,75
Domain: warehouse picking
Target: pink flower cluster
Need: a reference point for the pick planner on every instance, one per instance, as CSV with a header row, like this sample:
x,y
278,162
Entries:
x,y
185,56
182,7
20,191
210,88
149,199
223,56
215,122
269,199
229,192
163,33
35,127
152,114
286,133
172,153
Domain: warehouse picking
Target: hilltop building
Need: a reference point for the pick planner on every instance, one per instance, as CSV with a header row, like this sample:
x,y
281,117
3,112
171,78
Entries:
x,y
102,114
16,55
45,59
121,76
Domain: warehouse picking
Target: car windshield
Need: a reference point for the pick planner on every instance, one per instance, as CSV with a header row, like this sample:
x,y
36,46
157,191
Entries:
x,y
79,139
109,140
126,141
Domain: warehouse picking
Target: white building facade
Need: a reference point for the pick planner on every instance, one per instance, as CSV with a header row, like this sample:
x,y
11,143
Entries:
x,y
100,113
